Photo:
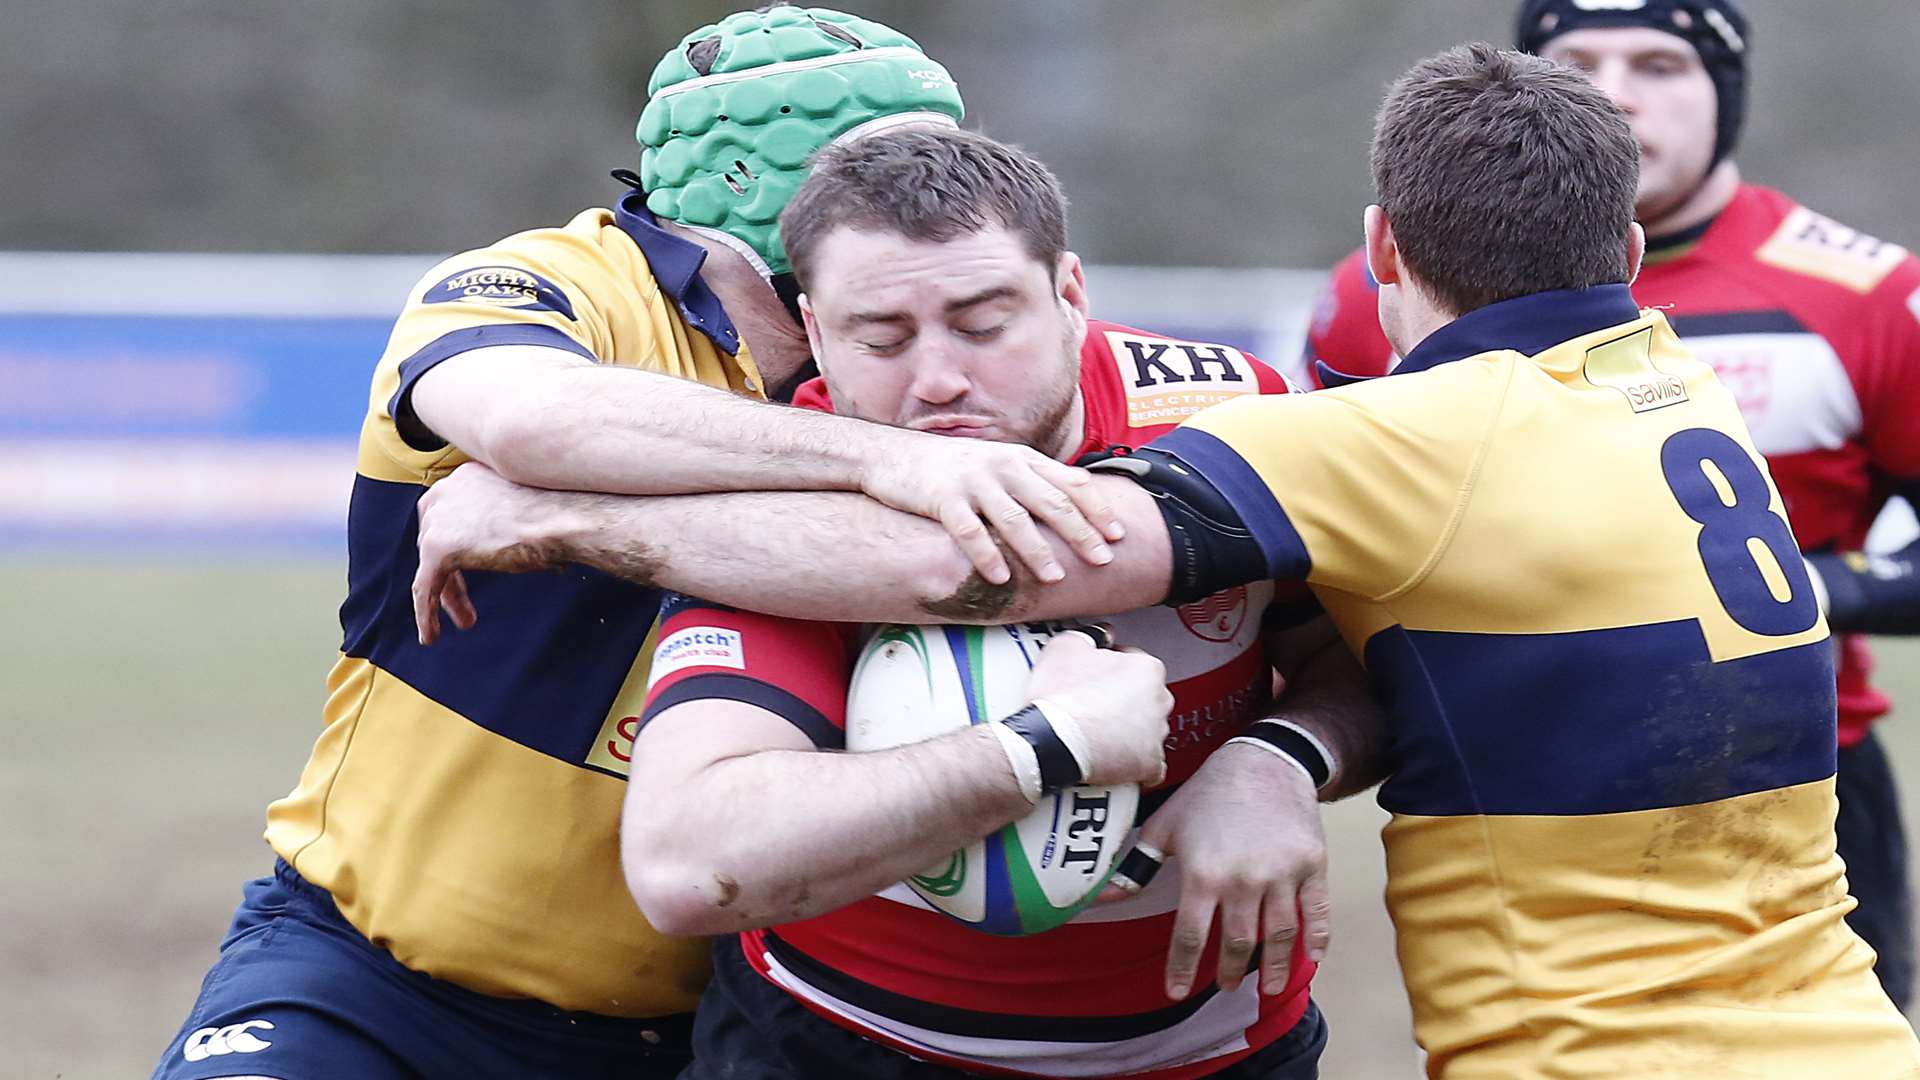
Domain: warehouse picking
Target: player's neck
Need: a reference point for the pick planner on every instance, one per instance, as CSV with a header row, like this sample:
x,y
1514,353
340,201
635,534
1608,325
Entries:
x,y
779,344
1706,201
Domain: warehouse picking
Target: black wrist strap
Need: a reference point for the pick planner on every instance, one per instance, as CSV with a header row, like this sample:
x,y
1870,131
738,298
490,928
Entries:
x,y
1294,745
1057,767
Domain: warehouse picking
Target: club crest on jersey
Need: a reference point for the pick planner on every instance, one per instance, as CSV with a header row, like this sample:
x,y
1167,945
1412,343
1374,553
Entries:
x,y
1820,247
1168,381
1217,617
500,286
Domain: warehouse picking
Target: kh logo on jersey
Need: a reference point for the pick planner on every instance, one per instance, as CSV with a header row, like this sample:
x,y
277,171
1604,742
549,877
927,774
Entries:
x,y
220,1041
1817,246
1168,381
500,286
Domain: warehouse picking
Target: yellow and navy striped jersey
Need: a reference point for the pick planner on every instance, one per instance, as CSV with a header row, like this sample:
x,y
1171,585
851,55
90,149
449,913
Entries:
x,y
1611,693
462,802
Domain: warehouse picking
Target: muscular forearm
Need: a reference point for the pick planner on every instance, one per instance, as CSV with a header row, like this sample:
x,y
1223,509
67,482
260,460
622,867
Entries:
x,y
783,835
555,421
842,557
1327,694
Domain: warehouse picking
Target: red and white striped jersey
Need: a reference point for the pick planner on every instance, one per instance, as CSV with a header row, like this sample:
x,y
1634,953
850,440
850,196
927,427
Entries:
x,y
1814,328
1085,999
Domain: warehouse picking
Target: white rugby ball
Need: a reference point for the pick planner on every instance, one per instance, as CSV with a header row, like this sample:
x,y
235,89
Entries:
x,y
915,682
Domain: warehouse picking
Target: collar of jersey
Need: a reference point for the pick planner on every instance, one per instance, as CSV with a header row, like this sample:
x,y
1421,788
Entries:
x,y
1528,324
676,266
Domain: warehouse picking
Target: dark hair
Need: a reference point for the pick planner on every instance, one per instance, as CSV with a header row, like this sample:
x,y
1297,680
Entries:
x,y
929,184
1503,174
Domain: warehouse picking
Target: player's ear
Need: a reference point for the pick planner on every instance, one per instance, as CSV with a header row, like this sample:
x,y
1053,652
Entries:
x,y
1070,287
813,326
1383,255
1636,250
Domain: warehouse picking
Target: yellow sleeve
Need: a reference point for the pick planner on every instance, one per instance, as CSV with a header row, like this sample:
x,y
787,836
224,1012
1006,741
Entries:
x,y
1357,488
549,287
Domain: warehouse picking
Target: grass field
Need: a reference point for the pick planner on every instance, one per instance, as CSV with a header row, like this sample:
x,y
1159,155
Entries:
x,y
150,712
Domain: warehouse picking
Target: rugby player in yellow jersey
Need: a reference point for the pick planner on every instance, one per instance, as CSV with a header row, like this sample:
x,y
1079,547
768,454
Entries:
x,y
1609,687
447,900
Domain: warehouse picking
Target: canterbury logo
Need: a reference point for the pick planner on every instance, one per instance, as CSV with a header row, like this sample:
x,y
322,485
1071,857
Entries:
x,y
232,1039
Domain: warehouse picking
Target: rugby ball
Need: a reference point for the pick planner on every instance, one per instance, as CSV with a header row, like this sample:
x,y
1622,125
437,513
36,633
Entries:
x,y
915,682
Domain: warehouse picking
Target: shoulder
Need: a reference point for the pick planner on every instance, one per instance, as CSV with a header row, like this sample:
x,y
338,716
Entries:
x,y
548,269
1138,383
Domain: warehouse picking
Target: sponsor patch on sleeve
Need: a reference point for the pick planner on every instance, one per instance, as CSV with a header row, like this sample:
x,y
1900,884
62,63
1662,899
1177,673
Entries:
x,y
1808,243
697,646
500,286
1168,381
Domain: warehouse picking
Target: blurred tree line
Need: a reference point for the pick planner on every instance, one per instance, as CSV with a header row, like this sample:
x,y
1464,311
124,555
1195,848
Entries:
x,y
1222,132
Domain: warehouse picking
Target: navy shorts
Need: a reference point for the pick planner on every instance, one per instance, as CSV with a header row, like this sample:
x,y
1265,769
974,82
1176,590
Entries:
x,y
299,994
749,1029
1874,846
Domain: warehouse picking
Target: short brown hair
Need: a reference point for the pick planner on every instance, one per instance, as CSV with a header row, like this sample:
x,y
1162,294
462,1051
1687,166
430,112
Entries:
x,y
1503,174
930,184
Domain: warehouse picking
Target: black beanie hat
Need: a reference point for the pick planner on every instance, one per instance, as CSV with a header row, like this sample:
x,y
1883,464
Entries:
x,y
1717,30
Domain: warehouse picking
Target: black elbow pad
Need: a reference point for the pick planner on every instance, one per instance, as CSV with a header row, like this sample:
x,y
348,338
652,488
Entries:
x,y
1871,594
1212,548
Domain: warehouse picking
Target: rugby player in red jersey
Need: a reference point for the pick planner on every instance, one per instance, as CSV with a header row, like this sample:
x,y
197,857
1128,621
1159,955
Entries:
x,y
940,297
1814,327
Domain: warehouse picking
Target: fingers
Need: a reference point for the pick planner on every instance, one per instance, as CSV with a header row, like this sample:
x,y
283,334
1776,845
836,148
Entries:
x,y
1137,870
1278,931
1316,915
1097,632
1067,501
456,602
1239,935
1016,529
963,524
428,581
1065,644
1190,926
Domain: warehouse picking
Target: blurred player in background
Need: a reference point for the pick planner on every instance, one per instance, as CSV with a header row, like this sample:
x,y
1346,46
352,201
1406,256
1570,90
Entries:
x,y
447,900
1814,327
940,296
1608,683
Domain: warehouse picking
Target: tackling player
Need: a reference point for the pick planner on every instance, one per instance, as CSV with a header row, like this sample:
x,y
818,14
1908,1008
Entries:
x,y
1814,327
939,295
447,899
1548,536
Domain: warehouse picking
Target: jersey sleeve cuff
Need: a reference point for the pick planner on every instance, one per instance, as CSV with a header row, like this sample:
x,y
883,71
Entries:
x,y
1249,496
416,434
748,691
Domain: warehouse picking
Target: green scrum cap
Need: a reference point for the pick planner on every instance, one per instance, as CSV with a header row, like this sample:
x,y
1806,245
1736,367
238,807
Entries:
x,y
737,108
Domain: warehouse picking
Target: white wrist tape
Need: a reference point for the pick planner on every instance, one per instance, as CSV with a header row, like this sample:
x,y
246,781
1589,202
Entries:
x,y
1020,755
1294,745
1070,732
